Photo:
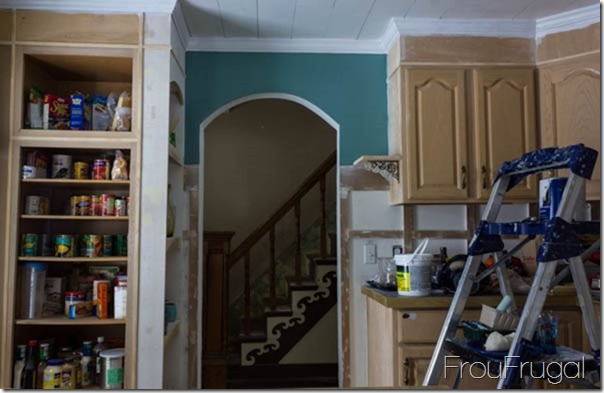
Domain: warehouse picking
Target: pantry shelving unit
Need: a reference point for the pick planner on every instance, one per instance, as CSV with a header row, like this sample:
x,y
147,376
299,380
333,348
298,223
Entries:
x,y
90,63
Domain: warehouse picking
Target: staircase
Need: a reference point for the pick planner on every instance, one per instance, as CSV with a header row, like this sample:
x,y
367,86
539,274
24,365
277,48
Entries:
x,y
286,315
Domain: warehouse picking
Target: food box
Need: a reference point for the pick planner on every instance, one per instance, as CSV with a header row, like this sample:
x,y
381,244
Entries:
x,y
56,113
53,296
498,320
120,299
76,111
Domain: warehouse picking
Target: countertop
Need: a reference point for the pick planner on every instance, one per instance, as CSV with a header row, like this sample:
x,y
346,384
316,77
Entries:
x,y
560,296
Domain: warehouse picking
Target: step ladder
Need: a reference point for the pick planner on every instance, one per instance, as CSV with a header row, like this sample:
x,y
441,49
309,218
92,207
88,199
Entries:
x,y
560,245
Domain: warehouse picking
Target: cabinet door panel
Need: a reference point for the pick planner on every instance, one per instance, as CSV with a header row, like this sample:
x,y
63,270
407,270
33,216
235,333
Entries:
x,y
570,109
504,125
435,135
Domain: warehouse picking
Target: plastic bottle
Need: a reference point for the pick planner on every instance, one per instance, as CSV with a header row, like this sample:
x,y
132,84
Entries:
x,y
28,376
19,365
88,367
44,348
32,286
68,378
96,350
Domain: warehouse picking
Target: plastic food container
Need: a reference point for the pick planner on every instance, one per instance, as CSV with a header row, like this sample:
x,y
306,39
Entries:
x,y
32,287
112,369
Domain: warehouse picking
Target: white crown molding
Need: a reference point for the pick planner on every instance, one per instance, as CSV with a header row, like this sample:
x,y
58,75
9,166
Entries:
x,y
181,25
571,20
105,6
220,44
521,28
390,36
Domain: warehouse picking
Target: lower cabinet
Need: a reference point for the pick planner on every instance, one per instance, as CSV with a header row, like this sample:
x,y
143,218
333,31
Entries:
x,y
401,343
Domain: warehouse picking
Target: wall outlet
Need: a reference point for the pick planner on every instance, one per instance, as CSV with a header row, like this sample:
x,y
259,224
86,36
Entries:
x,y
370,253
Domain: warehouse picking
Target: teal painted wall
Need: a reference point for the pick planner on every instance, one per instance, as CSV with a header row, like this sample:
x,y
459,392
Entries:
x,y
350,88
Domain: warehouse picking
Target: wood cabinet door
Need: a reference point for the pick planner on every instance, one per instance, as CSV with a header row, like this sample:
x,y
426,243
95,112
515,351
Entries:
x,y
570,109
435,135
504,129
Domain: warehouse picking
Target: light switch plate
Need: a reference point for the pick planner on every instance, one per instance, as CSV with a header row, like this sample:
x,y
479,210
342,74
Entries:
x,y
370,254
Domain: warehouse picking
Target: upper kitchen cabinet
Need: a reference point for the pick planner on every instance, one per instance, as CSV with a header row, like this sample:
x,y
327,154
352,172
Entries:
x,y
454,126
570,108
503,126
435,164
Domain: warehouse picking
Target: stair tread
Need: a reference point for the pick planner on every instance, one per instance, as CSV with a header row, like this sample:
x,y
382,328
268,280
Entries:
x,y
326,260
281,310
254,336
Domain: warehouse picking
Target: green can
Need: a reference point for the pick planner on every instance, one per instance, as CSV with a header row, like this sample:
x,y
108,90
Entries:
x,y
108,245
29,244
64,246
121,245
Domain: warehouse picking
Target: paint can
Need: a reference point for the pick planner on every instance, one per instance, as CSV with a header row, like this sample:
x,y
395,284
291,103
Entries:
x,y
414,272
64,246
61,166
112,369
36,205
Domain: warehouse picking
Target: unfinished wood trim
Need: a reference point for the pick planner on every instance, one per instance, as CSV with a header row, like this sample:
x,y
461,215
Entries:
x,y
345,379
44,26
364,234
409,225
6,25
568,43
567,58
463,49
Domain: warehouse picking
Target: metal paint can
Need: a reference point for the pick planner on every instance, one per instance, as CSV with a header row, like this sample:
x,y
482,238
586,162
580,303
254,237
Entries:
x,y
64,246
81,170
121,245
120,207
94,246
29,244
107,245
107,205
96,208
61,166
36,205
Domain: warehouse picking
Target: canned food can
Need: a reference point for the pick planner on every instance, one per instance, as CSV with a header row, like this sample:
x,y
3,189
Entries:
x,y
36,205
96,209
29,244
80,240
83,207
61,166
100,169
28,172
107,245
107,204
120,207
64,246
81,170
74,202
94,246
121,245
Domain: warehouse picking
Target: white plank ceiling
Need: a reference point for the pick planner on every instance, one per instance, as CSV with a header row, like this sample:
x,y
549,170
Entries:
x,y
349,19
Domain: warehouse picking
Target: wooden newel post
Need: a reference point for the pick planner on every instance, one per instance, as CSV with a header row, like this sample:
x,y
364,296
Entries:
x,y
216,249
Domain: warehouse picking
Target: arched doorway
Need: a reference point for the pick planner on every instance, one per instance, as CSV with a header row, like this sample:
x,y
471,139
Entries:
x,y
255,152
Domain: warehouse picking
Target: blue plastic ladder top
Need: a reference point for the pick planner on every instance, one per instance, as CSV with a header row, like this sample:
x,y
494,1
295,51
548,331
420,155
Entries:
x,y
561,237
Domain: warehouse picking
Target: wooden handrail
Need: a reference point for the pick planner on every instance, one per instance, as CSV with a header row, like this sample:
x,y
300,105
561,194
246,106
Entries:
x,y
263,229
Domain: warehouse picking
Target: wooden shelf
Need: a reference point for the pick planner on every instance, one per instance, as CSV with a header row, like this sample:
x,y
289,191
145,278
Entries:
x,y
62,320
172,242
175,156
172,330
78,183
76,259
68,217
127,135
